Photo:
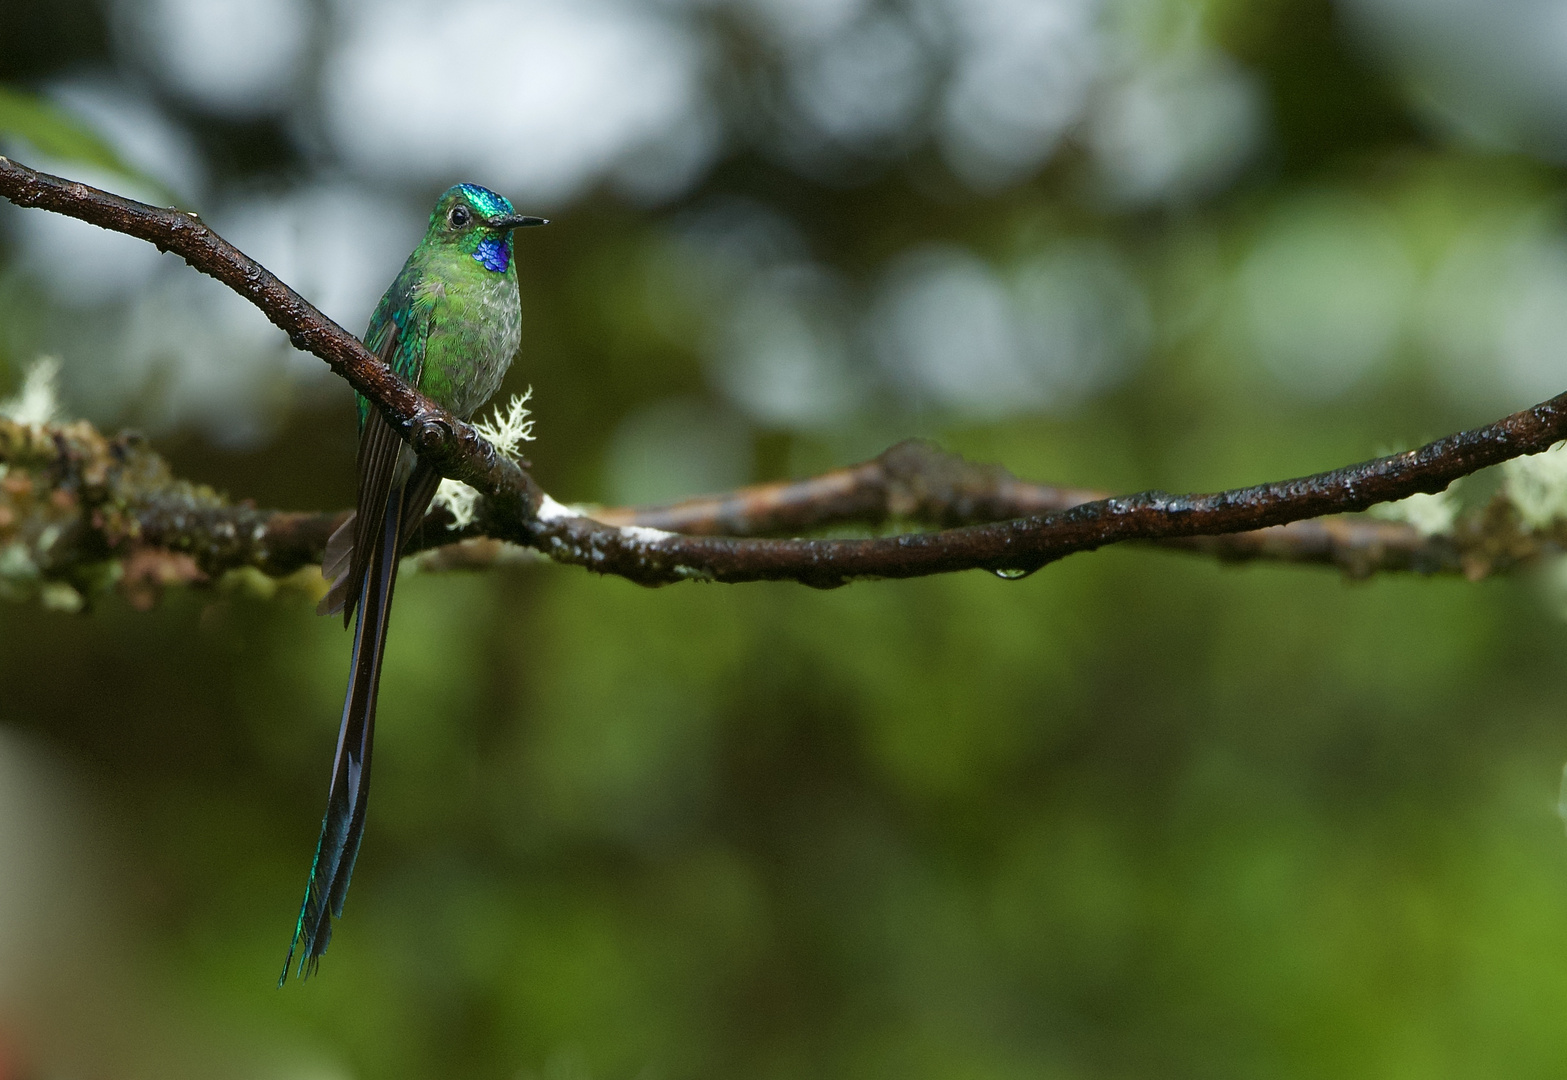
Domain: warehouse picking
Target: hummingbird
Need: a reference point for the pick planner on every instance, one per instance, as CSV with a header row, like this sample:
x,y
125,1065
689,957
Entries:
x,y
450,325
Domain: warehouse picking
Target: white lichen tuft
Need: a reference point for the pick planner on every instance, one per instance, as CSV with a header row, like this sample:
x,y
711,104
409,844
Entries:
x,y
509,430
644,534
1537,486
460,500
1430,515
550,510
38,402
506,431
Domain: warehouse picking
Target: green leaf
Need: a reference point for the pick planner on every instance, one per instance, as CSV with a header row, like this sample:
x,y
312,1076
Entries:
x,y
55,133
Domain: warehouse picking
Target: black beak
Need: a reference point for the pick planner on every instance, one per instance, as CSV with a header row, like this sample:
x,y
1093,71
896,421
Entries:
x,y
515,221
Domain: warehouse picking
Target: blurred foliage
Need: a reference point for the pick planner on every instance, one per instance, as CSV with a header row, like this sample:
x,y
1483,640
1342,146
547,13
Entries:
x,y
1136,815
52,132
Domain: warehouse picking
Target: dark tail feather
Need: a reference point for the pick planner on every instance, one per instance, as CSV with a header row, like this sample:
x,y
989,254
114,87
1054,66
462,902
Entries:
x,y
336,565
344,823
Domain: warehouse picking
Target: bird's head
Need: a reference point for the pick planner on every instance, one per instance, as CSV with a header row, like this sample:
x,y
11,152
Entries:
x,y
478,222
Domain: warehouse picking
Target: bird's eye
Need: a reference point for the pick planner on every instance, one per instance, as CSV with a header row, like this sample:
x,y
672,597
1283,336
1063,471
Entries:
x,y
458,216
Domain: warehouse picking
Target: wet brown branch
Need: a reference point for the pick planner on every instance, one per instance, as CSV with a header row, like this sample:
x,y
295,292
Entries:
x,y
917,482
986,530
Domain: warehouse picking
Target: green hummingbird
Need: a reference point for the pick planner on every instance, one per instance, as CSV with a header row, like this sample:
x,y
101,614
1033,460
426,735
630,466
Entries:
x,y
450,325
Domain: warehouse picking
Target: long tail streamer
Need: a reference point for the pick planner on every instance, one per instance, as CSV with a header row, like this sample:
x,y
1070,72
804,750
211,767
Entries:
x,y
344,824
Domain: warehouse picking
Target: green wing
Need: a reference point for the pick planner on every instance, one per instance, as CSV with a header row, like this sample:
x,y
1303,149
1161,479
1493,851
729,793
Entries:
x,y
399,332
405,315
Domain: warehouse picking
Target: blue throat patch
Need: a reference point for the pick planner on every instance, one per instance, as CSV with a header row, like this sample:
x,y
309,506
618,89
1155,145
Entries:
x,y
494,253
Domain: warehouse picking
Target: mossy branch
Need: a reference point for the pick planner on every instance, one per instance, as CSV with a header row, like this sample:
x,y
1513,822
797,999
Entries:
x,y
82,513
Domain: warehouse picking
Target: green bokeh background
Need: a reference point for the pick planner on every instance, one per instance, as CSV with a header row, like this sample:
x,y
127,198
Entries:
x,y
1138,815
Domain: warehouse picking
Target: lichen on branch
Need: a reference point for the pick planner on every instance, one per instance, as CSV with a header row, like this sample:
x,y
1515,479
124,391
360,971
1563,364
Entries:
x,y
987,519
81,513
